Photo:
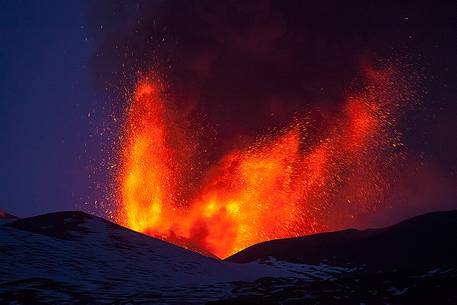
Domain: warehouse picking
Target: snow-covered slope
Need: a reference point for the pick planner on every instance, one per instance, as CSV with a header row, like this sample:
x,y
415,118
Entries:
x,y
75,258
72,256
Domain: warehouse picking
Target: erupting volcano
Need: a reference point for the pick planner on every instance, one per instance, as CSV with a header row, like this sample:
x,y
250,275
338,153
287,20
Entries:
x,y
290,181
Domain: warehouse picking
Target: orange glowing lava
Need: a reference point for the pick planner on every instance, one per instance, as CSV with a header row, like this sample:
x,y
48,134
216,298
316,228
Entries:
x,y
287,183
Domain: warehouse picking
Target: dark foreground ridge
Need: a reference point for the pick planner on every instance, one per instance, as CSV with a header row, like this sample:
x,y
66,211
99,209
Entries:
x,y
5,215
419,244
76,258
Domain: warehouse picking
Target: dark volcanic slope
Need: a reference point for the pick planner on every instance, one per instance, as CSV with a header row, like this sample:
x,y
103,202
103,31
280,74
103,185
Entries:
x,y
419,243
5,215
76,258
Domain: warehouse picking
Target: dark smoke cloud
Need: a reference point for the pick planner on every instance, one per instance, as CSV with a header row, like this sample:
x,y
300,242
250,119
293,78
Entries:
x,y
248,65
244,63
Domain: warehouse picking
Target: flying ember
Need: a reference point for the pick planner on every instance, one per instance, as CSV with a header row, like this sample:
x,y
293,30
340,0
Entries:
x,y
288,182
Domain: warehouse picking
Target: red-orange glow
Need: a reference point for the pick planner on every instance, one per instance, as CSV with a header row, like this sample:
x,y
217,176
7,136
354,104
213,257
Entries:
x,y
285,184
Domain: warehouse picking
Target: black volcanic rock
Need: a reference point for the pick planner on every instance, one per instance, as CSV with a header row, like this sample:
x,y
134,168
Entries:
x,y
420,243
62,225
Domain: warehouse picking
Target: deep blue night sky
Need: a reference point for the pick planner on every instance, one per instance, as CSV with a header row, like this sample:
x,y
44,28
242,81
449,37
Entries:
x,y
45,95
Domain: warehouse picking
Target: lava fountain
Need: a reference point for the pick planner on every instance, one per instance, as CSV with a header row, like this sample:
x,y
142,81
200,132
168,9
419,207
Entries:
x,y
288,182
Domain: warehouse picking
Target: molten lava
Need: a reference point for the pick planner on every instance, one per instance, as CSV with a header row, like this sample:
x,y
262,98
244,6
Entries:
x,y
287,183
